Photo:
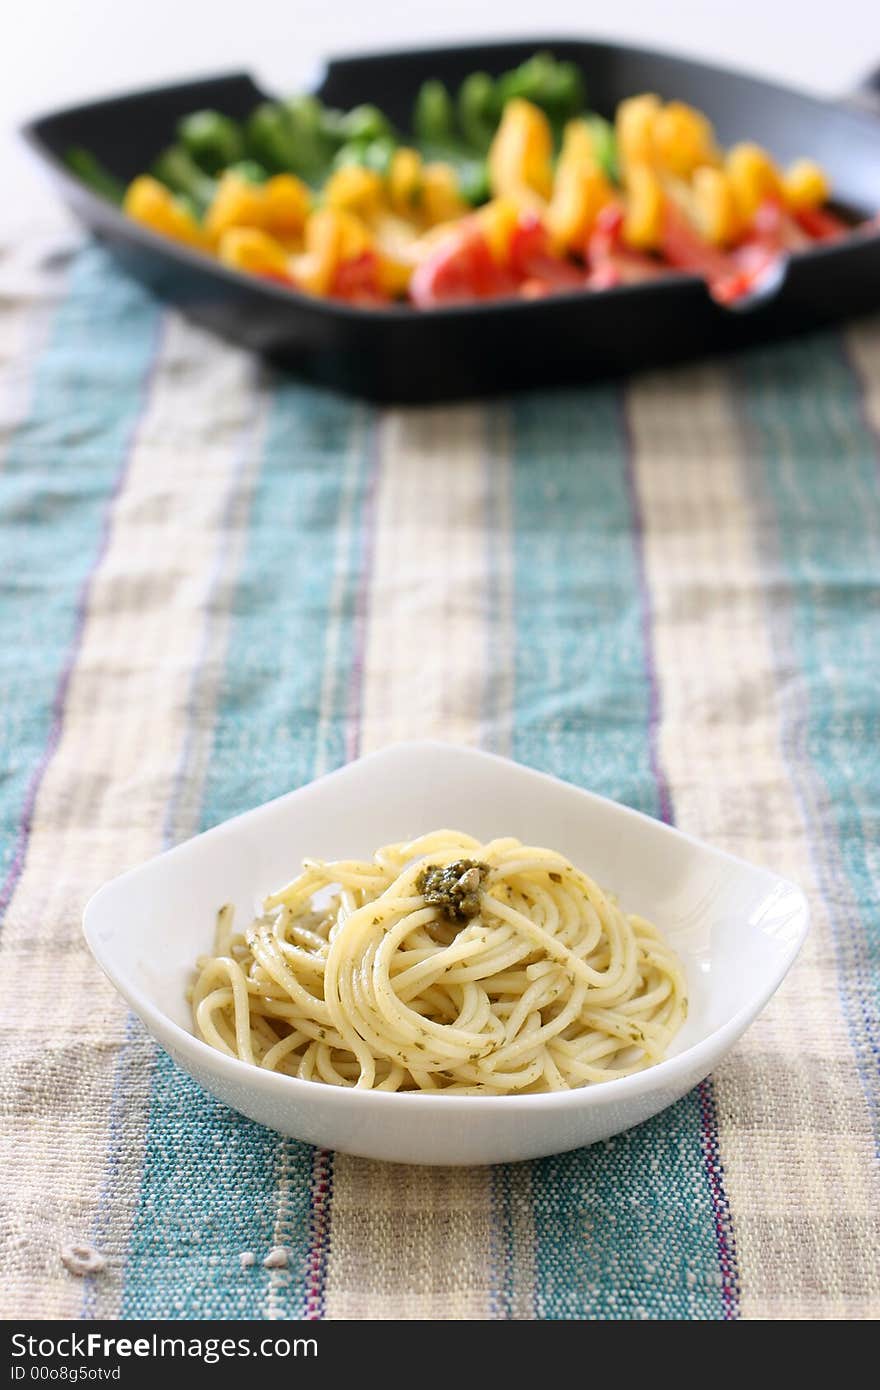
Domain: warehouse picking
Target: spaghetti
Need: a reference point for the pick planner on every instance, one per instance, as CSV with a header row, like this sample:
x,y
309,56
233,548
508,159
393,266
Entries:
x,y
442,965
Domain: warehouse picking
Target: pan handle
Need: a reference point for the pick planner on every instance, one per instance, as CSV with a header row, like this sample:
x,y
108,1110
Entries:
x,y
867,94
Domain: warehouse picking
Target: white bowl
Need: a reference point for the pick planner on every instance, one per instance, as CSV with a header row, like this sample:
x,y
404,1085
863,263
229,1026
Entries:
x,y
737,928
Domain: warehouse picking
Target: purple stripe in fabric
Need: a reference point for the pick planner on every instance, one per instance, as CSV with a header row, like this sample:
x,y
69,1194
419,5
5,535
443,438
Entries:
x,y
321,1194
724,1233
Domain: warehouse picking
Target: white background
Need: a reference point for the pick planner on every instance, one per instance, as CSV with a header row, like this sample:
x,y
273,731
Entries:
x,y
60,51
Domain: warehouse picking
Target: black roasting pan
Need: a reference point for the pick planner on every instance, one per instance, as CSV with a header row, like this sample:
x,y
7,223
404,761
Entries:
x,y
404,355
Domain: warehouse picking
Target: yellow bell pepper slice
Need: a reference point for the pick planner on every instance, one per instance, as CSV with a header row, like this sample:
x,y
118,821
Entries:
x,y
805,185
332,236
355,189
405,181
521,154
634,125
497,221
753,176
150,202
279,206
643,214
714,206
580,189
237,203
286,205
683,139
396,240
394,275
250,249
440,199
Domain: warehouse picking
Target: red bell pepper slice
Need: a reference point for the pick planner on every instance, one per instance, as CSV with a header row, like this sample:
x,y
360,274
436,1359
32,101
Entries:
x,y
533,261
684,248
623,268
730,275
820,224
357,281
461,269
773,234
606,235
775,229
610,262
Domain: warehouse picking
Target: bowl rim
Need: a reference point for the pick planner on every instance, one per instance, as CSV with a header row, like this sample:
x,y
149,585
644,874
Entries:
x,y
704,1051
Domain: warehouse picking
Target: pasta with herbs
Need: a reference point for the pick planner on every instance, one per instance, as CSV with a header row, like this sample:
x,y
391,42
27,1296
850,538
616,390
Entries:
x,y
442,965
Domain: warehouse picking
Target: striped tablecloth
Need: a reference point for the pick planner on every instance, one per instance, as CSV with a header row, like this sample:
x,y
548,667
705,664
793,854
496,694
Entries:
x,y
217,583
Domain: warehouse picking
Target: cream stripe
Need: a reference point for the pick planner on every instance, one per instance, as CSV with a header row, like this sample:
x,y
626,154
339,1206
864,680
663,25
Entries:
x,y
863,342
425,653
102,806
415,1242
721,749
240,428
28,304
501,654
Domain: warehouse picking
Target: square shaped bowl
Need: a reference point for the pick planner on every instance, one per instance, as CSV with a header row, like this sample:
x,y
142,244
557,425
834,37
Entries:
x,y
737,929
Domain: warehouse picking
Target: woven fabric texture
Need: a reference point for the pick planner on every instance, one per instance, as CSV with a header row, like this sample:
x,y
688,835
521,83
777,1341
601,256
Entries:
x,y
216,583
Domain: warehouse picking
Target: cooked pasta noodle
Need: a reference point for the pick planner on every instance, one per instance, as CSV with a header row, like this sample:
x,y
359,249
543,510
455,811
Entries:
x,y
442,965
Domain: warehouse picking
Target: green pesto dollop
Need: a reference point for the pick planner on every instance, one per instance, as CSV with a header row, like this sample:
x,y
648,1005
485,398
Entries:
x,y
455,888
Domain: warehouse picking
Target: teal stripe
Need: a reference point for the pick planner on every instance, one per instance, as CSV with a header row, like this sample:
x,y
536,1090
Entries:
x,y
623,1229
814,479
56,485
188,1235
125,1147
